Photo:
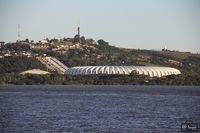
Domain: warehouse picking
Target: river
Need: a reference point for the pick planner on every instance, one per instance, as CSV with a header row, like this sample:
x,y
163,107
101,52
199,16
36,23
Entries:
x,y
97,108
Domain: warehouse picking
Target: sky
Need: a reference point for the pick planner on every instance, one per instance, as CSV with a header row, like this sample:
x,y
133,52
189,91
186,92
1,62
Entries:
x,y
138,24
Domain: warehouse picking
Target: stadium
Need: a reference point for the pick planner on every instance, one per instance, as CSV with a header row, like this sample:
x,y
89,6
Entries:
x,y
151,71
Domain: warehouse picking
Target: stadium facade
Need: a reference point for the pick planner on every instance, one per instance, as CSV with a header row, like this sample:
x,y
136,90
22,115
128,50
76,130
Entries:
x,y
151,71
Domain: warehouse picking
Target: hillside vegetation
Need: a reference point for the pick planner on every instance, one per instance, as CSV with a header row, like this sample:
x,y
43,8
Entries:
x,y
100,54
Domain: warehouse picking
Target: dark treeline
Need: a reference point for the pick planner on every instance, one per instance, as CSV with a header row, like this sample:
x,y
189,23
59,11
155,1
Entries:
x,y
55,78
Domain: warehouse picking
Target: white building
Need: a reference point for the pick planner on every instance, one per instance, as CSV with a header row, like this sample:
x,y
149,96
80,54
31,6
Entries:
x,y
35,72
43,41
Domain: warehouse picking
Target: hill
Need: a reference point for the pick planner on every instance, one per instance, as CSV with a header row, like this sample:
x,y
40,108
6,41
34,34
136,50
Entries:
x,y
100,53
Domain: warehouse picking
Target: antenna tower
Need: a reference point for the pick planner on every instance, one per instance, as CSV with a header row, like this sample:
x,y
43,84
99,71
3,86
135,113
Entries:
x,y
18,32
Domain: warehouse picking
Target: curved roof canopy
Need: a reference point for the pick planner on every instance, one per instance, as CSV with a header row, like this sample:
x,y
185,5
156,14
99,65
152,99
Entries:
x,y
35,71
123,70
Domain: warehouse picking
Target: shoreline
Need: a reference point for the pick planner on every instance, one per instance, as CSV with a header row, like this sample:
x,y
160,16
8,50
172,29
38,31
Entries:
x,y
147,89
95,85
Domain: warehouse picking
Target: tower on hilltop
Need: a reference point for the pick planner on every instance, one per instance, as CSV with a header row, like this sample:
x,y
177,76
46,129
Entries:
x,y
79,38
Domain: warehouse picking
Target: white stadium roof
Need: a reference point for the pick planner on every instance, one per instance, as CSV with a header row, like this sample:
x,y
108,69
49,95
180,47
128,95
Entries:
x,y
123,70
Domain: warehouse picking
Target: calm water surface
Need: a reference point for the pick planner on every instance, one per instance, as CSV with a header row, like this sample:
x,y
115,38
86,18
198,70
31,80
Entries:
x,y
82,108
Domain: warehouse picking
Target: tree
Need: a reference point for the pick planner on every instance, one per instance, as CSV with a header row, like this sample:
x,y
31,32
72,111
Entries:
x,y
76,39
102,42
83,40
90,41
27,40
